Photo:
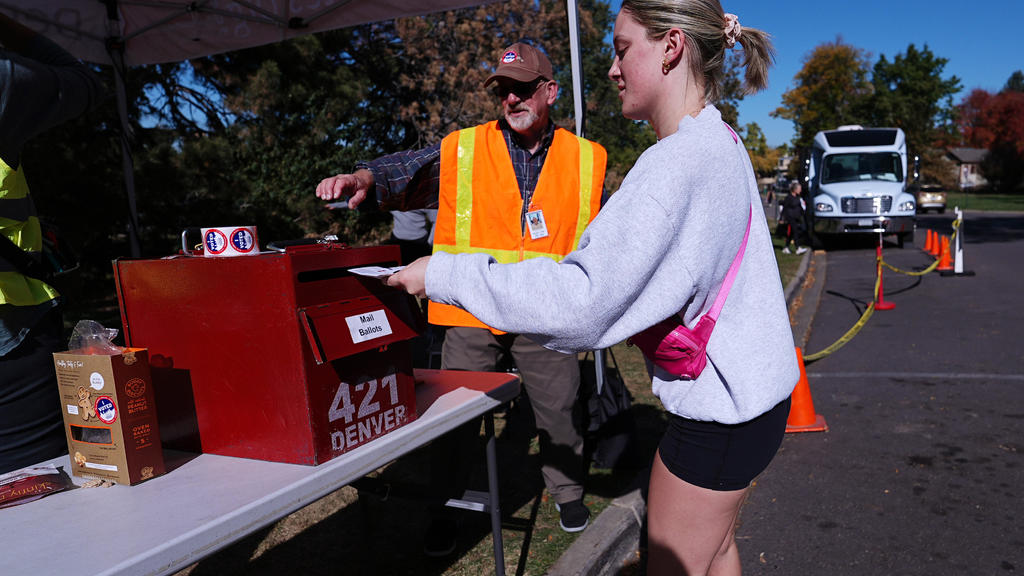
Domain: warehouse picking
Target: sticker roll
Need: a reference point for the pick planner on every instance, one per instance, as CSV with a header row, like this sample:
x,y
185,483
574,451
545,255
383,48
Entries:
x,y
230,241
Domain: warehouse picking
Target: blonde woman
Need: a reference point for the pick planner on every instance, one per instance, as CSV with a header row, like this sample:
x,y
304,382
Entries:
x,y
661,249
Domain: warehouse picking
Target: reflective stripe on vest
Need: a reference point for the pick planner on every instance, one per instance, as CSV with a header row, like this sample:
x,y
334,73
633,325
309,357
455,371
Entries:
x,y
19,224
478,186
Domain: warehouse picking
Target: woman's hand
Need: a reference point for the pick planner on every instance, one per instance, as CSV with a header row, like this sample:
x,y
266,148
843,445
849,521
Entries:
x,y
412,278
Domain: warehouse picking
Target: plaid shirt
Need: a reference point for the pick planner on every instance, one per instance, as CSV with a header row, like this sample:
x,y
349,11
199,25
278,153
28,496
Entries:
x,y
411,179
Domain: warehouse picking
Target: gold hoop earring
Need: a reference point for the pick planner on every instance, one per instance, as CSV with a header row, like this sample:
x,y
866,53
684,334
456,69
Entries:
x,y
665,66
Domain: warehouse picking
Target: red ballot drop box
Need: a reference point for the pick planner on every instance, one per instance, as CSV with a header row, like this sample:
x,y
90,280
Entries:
x,y
285,356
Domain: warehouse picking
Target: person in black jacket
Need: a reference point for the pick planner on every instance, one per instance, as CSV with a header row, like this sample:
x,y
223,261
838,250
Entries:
x,y
41,86
793,219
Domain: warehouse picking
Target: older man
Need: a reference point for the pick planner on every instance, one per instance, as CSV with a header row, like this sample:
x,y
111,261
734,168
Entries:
x,y
515,188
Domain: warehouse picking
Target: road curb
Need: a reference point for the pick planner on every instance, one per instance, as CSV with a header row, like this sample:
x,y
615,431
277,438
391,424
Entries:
x,y
798,280
613,538
803,294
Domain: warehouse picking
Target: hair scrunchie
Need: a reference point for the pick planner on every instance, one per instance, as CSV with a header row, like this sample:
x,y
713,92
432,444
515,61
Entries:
x,y
732,30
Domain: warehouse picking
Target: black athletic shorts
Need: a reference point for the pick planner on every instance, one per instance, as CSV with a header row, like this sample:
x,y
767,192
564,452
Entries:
x,y
723,456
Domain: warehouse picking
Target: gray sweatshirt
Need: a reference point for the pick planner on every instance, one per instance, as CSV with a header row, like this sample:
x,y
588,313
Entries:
x,y
661,245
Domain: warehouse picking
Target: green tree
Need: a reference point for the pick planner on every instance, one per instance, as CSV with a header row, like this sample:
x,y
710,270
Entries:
x,y
830,90
300,110
732,88
764,158
444,90
243,137
445,59
1015,83
623,138
910,93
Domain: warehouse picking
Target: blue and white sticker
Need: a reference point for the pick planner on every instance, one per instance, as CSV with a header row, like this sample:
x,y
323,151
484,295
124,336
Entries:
x,y
509,57
215,241
106,410
242,240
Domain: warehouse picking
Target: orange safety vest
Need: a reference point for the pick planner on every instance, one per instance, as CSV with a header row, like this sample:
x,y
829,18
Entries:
x,y
480,205
19,223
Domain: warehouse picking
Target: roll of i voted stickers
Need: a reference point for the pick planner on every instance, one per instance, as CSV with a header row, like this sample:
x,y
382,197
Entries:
x,y
230,241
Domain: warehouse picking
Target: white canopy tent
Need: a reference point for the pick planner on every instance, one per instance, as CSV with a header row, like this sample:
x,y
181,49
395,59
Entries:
x,y
137,32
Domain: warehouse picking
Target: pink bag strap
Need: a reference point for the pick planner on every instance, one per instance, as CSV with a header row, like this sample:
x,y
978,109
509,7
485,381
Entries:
x,y
734,269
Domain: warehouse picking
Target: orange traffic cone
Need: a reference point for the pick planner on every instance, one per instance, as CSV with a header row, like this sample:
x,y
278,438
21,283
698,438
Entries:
x,y
944,260
929,241
936,246
801,410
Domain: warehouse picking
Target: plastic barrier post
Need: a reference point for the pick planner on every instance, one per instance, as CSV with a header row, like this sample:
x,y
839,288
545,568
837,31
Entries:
x,y
958,249
802,417
880,303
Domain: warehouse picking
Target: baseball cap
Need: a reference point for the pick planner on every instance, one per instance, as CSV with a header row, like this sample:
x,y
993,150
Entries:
x,y
522,63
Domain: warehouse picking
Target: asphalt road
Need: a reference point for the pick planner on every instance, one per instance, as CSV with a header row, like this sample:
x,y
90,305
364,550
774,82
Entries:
x,y
922,468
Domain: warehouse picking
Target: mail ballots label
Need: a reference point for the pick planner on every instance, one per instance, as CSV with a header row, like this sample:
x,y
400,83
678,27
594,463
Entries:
x,y
368,325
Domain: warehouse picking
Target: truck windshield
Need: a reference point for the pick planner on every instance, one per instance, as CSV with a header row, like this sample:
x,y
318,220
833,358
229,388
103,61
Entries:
x,y
884,166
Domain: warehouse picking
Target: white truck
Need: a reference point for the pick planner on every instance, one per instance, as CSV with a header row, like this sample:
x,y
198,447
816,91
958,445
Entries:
x,y
858,179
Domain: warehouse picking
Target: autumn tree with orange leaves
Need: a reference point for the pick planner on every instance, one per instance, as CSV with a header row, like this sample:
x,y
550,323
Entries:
x,y
837,86
996,122
829,91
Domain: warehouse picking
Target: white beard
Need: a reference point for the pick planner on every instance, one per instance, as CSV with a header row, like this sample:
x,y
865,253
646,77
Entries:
x,y
522,123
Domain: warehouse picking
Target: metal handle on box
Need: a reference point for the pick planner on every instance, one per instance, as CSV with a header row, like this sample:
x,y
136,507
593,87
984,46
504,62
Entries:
x,y
185,249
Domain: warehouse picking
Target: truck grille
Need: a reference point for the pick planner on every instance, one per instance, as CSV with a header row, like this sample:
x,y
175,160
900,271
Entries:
x,y
875,205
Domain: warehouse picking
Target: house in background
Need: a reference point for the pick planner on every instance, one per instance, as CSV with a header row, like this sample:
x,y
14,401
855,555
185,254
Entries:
x,y
968,163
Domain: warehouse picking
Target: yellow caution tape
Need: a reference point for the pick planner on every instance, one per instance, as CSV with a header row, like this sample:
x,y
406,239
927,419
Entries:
x,y
935,264
930,268
849,333
871,307
844,339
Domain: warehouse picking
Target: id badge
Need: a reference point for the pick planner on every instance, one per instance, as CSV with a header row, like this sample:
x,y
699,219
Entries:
x,y
535,222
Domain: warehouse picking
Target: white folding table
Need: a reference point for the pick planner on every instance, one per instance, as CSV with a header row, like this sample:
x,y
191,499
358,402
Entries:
x,y
206,502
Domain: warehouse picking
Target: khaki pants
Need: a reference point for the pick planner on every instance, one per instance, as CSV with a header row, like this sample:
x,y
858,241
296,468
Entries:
x,y
551,380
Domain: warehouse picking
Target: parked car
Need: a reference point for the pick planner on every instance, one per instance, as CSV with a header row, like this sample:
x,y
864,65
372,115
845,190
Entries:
x,y
931,197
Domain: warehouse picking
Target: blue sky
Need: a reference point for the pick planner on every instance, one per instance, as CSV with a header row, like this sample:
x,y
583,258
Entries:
x,y
979,40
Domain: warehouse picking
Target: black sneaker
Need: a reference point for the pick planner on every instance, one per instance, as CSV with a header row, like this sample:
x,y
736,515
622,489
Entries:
x,y
573,516
439,541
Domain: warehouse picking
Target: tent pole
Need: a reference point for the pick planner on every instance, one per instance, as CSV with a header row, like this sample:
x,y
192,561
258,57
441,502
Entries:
x,y
577,65
115,49
127,164
577,100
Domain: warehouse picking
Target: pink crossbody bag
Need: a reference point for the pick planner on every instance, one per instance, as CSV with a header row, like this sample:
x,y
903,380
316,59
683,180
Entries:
x,y
679,350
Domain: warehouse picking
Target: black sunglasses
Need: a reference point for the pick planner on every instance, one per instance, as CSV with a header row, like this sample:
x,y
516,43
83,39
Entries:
x,y
522,90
